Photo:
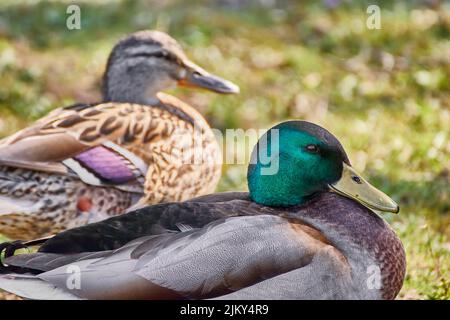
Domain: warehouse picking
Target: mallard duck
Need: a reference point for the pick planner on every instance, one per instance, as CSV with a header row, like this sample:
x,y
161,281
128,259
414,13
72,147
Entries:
x,y
305,230
84,163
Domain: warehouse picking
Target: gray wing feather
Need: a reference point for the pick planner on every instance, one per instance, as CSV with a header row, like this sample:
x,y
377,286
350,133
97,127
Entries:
x,y
226,256
41,261
325,278
49,261
115,280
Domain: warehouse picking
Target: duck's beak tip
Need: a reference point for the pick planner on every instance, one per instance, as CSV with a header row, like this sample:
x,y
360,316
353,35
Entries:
x,y
230,88
386,204
396,209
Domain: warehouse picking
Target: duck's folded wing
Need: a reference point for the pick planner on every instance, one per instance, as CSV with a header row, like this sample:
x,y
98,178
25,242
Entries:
x,y
229,255
81,121
62,134
80,138
41,152
222,257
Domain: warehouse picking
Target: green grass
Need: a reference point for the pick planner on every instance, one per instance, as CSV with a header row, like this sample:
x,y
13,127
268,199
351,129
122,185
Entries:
x,y
384,93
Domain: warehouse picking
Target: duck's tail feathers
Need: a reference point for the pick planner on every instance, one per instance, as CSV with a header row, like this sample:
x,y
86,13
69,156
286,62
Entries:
x,y
32,287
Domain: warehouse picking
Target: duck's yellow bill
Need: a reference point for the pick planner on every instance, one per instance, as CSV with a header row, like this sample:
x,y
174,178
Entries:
x,y
354,186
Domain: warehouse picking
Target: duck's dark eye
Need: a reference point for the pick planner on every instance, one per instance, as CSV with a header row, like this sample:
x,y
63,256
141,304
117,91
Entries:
x,y
312,148
357,179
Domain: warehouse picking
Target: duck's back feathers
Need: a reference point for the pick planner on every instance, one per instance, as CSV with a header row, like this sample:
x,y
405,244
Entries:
x,y
115,232
222,197
62,135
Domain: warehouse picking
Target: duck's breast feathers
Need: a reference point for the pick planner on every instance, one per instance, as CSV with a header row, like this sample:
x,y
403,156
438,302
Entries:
x,y
358,232
224,256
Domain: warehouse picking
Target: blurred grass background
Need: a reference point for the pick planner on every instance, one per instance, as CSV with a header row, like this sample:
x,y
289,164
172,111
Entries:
x,y
384,93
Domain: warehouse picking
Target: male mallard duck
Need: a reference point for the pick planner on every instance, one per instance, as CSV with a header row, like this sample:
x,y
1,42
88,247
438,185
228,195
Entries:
x,y
87,162
304,231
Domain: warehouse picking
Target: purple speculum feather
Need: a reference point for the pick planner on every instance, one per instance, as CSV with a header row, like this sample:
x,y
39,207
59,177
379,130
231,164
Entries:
x,y
106,165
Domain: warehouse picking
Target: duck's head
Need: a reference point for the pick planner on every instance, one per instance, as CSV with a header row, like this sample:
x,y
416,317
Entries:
x,y
296,160
147,62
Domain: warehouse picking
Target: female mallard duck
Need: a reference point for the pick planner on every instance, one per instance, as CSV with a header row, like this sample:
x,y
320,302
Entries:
x,y
304,231
87,162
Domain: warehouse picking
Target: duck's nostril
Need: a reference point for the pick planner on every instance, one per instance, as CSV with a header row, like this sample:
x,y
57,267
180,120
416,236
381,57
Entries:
x,y
357,179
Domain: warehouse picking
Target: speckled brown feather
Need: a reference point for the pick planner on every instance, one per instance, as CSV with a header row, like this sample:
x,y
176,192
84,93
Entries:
x,y
47,203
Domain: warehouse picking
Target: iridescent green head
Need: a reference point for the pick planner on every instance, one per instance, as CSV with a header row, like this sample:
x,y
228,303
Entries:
x,y
295,160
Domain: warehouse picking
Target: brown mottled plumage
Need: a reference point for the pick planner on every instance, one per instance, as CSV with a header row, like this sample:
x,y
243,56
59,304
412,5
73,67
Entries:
x,y
83,163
